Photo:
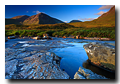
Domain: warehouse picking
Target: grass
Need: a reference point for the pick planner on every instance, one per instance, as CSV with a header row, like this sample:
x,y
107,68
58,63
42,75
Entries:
x,y
59,29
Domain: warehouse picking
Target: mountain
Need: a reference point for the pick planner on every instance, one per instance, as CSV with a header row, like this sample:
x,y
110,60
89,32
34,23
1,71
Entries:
x,y
41,18
21,18
16,19
75,21
108,17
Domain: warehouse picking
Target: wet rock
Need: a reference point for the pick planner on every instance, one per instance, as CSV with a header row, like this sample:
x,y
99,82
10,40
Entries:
x,y
77,37
101,55
46,36
83,73
32,65
64,37
11,37
104,39
71,36
37,38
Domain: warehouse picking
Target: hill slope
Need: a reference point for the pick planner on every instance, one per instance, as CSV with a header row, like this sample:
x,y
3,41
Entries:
x,y
41,18
21,18
108,17
105,20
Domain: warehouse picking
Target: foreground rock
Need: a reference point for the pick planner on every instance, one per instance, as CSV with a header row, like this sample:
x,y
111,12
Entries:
x,y
101,55
83,73
22,64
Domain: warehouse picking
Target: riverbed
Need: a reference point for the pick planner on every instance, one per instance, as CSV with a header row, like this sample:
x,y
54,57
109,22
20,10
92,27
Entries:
x,y
70,50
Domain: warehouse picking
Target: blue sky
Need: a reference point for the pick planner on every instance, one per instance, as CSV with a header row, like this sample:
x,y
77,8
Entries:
x,y
64,13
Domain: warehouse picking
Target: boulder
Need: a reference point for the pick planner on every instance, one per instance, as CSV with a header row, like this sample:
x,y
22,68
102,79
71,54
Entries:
x,y
101,55
77,37
104,39
83,73
46,36
37,38
64,36
71,36
11,37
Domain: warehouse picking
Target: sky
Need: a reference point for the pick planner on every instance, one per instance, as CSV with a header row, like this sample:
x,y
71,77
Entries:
x,y
65,13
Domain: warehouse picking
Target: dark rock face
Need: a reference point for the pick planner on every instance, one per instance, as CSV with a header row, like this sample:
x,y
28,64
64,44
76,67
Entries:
x,y
83,73
22,64
101,55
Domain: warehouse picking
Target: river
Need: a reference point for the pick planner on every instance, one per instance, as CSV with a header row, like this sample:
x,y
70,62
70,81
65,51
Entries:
x,y
70,50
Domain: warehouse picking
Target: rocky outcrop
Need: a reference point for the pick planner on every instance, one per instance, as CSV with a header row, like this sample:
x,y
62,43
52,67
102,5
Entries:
x,y
101,55
83,73
22,64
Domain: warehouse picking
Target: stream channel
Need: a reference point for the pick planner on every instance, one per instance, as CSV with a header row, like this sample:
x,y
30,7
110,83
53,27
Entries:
x,y
70,50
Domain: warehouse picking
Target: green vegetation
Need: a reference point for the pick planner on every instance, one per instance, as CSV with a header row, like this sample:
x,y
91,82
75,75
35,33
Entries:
x,y
59,29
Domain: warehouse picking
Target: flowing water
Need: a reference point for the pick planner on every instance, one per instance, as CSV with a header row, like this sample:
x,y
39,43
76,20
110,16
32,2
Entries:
x,y
70,50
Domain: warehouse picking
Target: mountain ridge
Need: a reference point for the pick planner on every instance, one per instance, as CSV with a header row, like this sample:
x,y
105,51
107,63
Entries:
x,y
40,18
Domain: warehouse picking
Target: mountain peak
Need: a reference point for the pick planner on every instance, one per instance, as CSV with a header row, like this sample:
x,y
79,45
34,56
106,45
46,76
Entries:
x,y
41,18
75,21
41,13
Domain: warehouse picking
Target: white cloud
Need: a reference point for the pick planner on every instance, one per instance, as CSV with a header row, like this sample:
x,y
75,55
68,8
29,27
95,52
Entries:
x,y
65,21
36,12
27,11
87,19
100,13
105,7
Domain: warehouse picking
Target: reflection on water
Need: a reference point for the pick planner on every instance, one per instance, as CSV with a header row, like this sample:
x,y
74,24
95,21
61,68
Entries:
x,y
99,71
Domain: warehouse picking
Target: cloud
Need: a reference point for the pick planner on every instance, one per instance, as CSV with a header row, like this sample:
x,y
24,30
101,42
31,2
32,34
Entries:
x,y
36,12
65,21
27,11
105,7
100,13
87,19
